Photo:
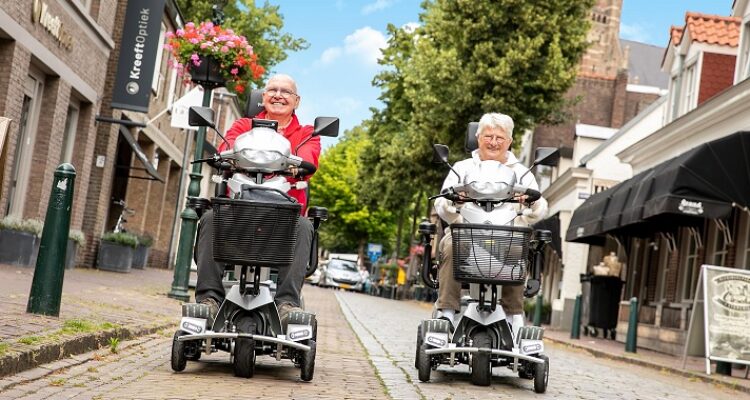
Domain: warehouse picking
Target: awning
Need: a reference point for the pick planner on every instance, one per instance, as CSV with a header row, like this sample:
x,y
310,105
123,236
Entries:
x,y
138,151
586,222
702,183
552,224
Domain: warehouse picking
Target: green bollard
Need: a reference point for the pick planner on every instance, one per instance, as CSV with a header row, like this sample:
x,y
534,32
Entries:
x,y
538,310
575,328
46,288
632,339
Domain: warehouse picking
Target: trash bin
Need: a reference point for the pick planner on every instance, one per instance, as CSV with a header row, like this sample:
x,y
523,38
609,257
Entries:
x,y
603,305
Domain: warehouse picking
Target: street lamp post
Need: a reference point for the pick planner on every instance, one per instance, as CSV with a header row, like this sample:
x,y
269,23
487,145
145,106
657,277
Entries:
x,y
210,78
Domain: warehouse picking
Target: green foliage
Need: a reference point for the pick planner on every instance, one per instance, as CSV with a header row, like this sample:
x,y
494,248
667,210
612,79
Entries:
x,y
351,222
30,340
261,24
4,348
78,237
123,238
33,226
467,58
73,326
145,239
114,344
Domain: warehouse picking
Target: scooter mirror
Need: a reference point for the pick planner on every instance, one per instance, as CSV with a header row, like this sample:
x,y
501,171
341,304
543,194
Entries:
x,y
201,116
440,153
326,126
547,156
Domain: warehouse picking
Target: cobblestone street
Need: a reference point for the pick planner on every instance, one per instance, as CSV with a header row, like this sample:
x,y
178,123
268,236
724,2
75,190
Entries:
x,y
366,349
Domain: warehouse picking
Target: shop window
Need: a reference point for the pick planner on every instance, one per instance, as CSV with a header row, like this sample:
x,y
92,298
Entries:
x,y
690,267
743,242
719,246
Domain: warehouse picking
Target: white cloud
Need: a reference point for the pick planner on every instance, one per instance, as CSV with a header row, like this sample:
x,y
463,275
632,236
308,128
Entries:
x,y
364,44
376,6
634,32
330,54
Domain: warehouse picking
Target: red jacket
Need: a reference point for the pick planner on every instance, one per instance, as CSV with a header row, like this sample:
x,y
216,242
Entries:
x,y
296,134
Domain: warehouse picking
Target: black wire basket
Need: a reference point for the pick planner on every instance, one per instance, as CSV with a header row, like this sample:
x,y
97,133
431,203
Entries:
x,y
248,232
490,254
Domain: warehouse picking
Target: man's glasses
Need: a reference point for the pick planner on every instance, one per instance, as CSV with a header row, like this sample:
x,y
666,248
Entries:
x,y
490,139
279,92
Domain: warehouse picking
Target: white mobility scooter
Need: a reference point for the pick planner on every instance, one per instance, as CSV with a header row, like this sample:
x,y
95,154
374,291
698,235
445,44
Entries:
x,y
255,230
488,250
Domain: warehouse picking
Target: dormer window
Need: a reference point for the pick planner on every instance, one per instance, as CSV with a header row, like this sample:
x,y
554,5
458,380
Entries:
x,y
690,93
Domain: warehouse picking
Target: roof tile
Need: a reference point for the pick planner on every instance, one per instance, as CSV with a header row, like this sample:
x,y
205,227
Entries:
x,y
711,29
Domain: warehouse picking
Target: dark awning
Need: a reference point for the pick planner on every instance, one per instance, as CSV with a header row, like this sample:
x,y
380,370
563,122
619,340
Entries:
x,y
138,151
586,222
552,224
703,182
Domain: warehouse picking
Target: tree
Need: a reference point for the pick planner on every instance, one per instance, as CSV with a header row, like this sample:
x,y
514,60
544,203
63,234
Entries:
x,y
351,223
467,58
262,26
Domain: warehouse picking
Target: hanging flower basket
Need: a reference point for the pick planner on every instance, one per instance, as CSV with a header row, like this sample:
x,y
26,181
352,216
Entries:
x,y
212,56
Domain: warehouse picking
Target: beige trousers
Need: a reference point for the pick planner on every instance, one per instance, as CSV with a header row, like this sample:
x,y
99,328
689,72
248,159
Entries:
x,y
449,290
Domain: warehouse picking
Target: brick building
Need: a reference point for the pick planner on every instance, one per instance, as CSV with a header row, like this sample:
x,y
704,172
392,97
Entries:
x,y
58,93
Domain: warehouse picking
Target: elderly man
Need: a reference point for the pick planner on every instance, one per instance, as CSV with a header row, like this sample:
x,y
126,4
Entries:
x,y
280,99
494,136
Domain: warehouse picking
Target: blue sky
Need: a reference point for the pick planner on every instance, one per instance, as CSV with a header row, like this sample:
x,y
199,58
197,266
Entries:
x,y
334,74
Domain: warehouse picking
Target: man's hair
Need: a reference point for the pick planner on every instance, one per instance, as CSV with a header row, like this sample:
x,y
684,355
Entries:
x,y
496,120
283,77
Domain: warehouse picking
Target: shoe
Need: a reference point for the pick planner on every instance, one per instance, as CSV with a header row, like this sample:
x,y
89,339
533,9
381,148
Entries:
x,y
285,309
213,308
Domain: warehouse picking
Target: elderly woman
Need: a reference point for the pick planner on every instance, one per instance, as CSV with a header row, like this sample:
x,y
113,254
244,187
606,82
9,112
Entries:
x,y
494,136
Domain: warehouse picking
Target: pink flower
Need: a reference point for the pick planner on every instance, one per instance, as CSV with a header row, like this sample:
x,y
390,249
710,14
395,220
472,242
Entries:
x,y
234,71
194,40
224,49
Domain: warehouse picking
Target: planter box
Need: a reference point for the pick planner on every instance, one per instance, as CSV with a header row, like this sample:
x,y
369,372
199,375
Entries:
x,y
18,248
70,254
140,257
114,257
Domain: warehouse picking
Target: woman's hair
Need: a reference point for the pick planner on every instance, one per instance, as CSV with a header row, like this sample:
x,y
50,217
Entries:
x,y
496,120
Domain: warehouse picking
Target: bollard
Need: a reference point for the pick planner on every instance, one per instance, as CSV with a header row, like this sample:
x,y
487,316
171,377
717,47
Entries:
x,y
46,287
538,310
632,339
575,329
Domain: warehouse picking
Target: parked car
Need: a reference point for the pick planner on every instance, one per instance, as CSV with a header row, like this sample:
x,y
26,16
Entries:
x,y
343,274
314,279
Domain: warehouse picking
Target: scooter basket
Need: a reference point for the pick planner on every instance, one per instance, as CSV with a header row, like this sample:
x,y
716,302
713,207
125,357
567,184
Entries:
x,y
490,254
248,232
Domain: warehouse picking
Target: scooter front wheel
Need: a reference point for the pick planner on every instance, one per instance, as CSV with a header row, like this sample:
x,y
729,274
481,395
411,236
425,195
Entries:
x,y
423,363
308,363
541,375
244,350
481,369
179,361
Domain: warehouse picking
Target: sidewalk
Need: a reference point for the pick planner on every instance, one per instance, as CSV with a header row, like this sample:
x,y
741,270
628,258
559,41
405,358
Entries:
x,y
95,307
695,368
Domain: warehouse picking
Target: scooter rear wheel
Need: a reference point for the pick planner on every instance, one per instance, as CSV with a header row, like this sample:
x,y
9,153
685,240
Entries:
x,y
541,375
307,369
179,361
481,369
244,350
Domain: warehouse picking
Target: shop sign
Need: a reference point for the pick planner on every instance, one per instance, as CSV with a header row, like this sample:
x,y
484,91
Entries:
x,y
691,207
720,317
41,14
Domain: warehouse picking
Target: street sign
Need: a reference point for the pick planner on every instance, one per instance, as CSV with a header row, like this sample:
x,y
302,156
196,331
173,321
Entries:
x,y
718,327
374,251
181,107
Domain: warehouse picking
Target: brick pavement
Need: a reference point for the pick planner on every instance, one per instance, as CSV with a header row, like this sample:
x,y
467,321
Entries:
x,y
574,374
110,304
142,370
